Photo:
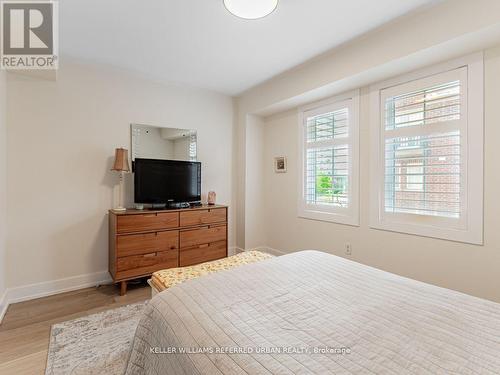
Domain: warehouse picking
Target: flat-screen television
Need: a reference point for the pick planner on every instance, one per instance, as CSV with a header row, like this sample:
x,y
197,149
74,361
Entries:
x,y
166,181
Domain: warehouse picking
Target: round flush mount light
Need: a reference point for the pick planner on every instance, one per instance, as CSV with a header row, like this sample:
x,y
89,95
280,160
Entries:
x,y
251,9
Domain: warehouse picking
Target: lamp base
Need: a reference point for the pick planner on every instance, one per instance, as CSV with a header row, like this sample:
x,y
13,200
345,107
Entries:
x,y
119,209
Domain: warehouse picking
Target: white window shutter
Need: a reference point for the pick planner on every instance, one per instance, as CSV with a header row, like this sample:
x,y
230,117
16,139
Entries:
x,y
329,150
430,132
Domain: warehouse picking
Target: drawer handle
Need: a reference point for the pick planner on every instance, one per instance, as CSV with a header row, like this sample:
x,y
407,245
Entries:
x,y
173,247
204,245
150,255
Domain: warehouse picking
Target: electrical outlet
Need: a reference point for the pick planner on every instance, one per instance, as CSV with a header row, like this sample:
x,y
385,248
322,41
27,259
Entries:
x,y
348,249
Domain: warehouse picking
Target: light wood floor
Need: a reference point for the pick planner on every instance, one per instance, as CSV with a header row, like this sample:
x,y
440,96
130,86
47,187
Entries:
x,y
25,329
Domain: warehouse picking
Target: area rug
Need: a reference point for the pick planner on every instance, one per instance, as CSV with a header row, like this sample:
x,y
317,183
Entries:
x,y
95,344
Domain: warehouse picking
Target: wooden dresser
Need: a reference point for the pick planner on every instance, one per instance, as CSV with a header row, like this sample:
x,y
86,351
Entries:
x,y
142,242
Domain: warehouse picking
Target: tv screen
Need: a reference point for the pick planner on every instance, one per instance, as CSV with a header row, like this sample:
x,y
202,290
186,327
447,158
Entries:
x,y
166,181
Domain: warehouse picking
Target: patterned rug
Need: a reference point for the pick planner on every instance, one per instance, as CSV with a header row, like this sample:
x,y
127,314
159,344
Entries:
x,y
95,344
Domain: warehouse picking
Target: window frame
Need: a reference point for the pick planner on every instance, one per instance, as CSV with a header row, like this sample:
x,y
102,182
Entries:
x,y
339,215
469,227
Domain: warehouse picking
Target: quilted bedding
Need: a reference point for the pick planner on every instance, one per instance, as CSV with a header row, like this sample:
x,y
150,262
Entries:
x,y
314,313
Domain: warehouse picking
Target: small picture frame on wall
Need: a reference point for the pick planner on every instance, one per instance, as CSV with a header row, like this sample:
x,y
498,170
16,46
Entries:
x,y
280,164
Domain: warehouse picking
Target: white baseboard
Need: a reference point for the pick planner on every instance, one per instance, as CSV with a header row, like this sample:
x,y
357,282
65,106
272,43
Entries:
x,y
233,250
3,305
267,249
48,288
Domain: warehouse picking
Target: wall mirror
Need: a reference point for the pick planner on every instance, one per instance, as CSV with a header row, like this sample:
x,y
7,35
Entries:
x,y
152,142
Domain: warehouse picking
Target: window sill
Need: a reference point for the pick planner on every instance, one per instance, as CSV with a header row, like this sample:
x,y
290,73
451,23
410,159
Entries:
x,y
474,237
330,217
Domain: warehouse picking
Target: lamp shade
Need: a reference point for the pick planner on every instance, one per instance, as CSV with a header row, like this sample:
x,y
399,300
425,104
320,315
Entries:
x,y
121,160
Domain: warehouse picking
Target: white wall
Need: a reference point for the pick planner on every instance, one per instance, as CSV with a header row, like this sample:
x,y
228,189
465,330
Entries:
x,y
467,268
3,189
435,34
61,140
254,194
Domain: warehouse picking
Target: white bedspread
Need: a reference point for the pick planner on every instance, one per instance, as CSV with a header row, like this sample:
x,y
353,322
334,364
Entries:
x,y
363,320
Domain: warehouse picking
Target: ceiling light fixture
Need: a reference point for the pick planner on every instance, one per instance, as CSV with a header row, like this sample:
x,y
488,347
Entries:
x,y
251,9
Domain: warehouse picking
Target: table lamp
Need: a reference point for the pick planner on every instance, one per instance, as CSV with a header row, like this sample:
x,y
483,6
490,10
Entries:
x,y
121,165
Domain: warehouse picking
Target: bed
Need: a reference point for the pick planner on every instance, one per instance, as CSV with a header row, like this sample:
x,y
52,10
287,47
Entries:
x,y
312,312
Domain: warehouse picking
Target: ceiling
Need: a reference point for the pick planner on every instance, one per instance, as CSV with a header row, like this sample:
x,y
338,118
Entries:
x,y
198,43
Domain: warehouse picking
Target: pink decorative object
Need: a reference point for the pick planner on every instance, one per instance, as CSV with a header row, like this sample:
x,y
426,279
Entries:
x,y
211,197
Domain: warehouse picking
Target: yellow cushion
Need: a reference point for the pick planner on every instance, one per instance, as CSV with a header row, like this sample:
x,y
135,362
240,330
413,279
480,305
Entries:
x,y
165,279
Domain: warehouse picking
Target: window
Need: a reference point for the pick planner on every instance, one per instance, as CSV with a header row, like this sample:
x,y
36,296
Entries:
x,y
428,178
329,152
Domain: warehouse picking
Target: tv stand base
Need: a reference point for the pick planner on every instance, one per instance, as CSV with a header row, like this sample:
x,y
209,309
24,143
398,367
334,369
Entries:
x,y
178,205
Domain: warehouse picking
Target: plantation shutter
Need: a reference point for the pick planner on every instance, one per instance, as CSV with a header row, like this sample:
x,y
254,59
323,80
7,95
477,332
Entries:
x,y
327,158
423,128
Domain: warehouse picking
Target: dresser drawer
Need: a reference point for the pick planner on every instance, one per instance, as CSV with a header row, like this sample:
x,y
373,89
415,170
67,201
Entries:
x,y
140,265
202,253
197,217
136,244
202,236
147,222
